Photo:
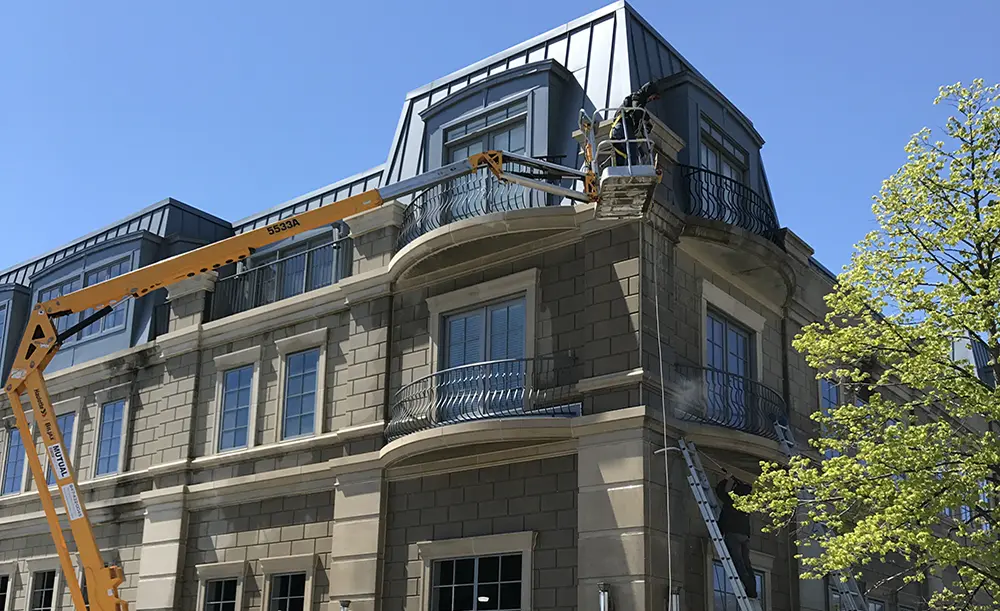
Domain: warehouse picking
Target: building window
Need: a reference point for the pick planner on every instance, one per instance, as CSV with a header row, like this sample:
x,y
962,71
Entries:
x,y
724,599
720,153
829,400
116,318
288,592
4,591
109,439
13,470
43,590
473,584
483,360
300,394
876,605
730,370
3,327
300,267
236,396
66,423
65,288
503,129
220,595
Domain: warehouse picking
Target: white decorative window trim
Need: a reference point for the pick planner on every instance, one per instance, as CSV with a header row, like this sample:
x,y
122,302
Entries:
x,y
8,567
762,563
521,283
714,297
293,345
61,408
104,396
41,565
284,565
223,364
510,543
238,358
221,570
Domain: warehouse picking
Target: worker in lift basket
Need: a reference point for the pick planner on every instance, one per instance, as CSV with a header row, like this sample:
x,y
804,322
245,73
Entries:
x,y
632,125
735,527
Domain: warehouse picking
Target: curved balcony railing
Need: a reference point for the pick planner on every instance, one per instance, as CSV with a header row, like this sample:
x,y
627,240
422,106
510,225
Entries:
x,y
711,396
713,196
508,388
466,197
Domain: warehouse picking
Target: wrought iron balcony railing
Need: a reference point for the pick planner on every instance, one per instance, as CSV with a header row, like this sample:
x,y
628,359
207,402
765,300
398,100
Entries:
x,y
286,277
508,388
713,196
703,394
466,197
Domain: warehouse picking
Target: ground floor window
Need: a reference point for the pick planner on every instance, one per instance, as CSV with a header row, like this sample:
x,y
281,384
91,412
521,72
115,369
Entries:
x,y
724,598
288,592
484,583
43,590
220,595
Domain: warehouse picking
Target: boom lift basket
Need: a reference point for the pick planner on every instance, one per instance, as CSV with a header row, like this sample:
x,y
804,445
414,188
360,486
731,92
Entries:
x,y
626,166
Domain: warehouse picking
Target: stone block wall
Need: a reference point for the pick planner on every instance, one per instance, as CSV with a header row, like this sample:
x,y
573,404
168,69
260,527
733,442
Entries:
x,y
536,496
587,310
281,526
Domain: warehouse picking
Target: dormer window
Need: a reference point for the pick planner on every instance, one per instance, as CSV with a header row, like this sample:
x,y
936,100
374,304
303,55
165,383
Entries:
x,y
720,154
504,128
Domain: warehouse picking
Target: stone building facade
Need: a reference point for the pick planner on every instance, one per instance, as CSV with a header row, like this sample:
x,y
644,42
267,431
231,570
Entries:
x,y
451,402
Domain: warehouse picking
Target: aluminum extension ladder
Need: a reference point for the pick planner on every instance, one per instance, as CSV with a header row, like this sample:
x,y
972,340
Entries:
x,y
708,506
851,598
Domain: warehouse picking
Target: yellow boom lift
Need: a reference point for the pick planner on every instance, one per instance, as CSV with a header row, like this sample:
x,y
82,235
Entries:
x,y
626,193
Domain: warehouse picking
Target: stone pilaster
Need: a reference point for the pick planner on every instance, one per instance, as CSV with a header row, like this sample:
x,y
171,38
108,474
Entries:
x,y
374,234
186,300
164,536
358,525
619,505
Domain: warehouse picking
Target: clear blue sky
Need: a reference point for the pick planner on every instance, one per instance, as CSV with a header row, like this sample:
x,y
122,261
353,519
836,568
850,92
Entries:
x,y
234,107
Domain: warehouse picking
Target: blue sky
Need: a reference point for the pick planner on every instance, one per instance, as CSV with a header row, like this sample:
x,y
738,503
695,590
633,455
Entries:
x,y
234,107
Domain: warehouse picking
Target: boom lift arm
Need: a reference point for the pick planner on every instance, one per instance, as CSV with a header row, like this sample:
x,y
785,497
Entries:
x,y
42,340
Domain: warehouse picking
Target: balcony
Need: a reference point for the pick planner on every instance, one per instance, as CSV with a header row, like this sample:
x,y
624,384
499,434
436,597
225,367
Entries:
x,y
711,396
282,278
469,196
509,388
719,198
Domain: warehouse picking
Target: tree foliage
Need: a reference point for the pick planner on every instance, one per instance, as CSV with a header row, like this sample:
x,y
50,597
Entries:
x,y
922,442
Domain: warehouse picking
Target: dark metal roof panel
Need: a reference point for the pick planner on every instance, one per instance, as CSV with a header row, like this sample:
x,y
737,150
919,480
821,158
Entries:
x,y
153,216
609,52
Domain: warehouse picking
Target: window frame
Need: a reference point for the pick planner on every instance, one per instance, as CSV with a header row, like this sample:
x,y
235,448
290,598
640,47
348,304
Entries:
x,y
4,451
483,133
73,405
303,342
765,576
287,565
106,396
80,276
123,305
485,309
762,563
45,564
707,130
225,363
714,298
429,552
9,570
216,571
508,287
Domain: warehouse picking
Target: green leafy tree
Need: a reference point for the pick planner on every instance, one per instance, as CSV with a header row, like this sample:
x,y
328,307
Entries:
x,y
911,472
